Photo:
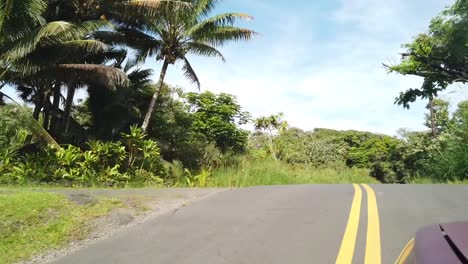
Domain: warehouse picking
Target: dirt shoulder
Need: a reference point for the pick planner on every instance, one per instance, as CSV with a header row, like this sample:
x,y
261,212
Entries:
x,y
139,206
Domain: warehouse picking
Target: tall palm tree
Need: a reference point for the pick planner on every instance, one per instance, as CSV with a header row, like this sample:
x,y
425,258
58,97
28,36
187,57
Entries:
x,y
176,34
67,59
121,13
17,18
114,111
53,52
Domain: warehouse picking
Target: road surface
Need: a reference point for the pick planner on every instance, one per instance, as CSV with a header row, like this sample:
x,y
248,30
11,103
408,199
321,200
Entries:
x,y
286,224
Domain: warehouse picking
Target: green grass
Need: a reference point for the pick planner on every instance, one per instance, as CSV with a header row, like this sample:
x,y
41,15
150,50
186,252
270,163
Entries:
x,y
427,180
34,222
271,172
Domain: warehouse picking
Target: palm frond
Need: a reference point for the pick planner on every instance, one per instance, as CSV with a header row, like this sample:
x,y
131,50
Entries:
x,y
134,39
190,74
19,17
137,13
47,35
26,44
222,35
3,71
35,127
204,50
115,55
205,7
131,63
88,46
140,77
66,52
93,73
222,20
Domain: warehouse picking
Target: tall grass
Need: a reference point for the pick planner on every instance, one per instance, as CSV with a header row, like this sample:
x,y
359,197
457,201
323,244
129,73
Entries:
x,y
258,172
450,164
429,180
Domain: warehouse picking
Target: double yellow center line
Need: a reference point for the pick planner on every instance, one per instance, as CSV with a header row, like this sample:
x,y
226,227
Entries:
x,y
373,254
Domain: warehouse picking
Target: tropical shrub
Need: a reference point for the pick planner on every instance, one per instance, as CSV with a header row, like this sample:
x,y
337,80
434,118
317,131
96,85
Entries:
x,y
299,147
134,159
143,154
13,133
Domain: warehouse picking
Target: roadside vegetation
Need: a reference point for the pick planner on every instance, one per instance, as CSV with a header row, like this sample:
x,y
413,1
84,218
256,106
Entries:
x,y
131,132
34,222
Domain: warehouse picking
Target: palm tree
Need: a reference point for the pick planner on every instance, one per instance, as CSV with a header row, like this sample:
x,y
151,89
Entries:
x,y
114,111
17,18
176,34
105,14
41,53
64,58
38,53
124,13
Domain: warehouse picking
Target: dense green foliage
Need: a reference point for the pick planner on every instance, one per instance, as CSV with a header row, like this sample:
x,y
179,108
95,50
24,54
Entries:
x,y
439,55
195,131
51,48
217,117
450,160
133,159
190,127
324,148
47,46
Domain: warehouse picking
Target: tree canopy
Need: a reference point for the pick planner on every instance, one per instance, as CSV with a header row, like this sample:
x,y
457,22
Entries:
x,y
440,55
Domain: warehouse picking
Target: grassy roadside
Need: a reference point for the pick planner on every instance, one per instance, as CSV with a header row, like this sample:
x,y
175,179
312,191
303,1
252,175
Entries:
x,y
427,180
271,172
34,222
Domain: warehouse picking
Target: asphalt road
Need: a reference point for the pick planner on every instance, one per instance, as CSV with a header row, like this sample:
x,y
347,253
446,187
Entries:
x,y
286,224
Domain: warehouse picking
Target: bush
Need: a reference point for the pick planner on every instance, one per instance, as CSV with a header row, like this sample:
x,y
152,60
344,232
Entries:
x,y
135,159
450,162
13,134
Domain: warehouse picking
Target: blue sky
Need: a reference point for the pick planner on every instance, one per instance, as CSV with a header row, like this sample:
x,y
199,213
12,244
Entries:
x,y
320,62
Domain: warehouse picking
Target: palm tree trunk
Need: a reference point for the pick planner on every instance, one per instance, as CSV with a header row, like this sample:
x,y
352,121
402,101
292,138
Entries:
x,y
68,105
46,120
37,110
55,108
156,95
38,103
47,109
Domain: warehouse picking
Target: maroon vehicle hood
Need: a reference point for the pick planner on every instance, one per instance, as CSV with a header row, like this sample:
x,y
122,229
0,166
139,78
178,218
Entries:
x,y
444,243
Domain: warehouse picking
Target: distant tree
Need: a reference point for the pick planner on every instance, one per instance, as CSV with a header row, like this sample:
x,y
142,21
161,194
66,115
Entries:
x,y
438,119
460,121
172,125
461,114
271,125
218,118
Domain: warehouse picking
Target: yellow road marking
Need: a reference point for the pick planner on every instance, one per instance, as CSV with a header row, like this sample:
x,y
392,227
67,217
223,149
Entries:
x,y
346,252
373,255
406,252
